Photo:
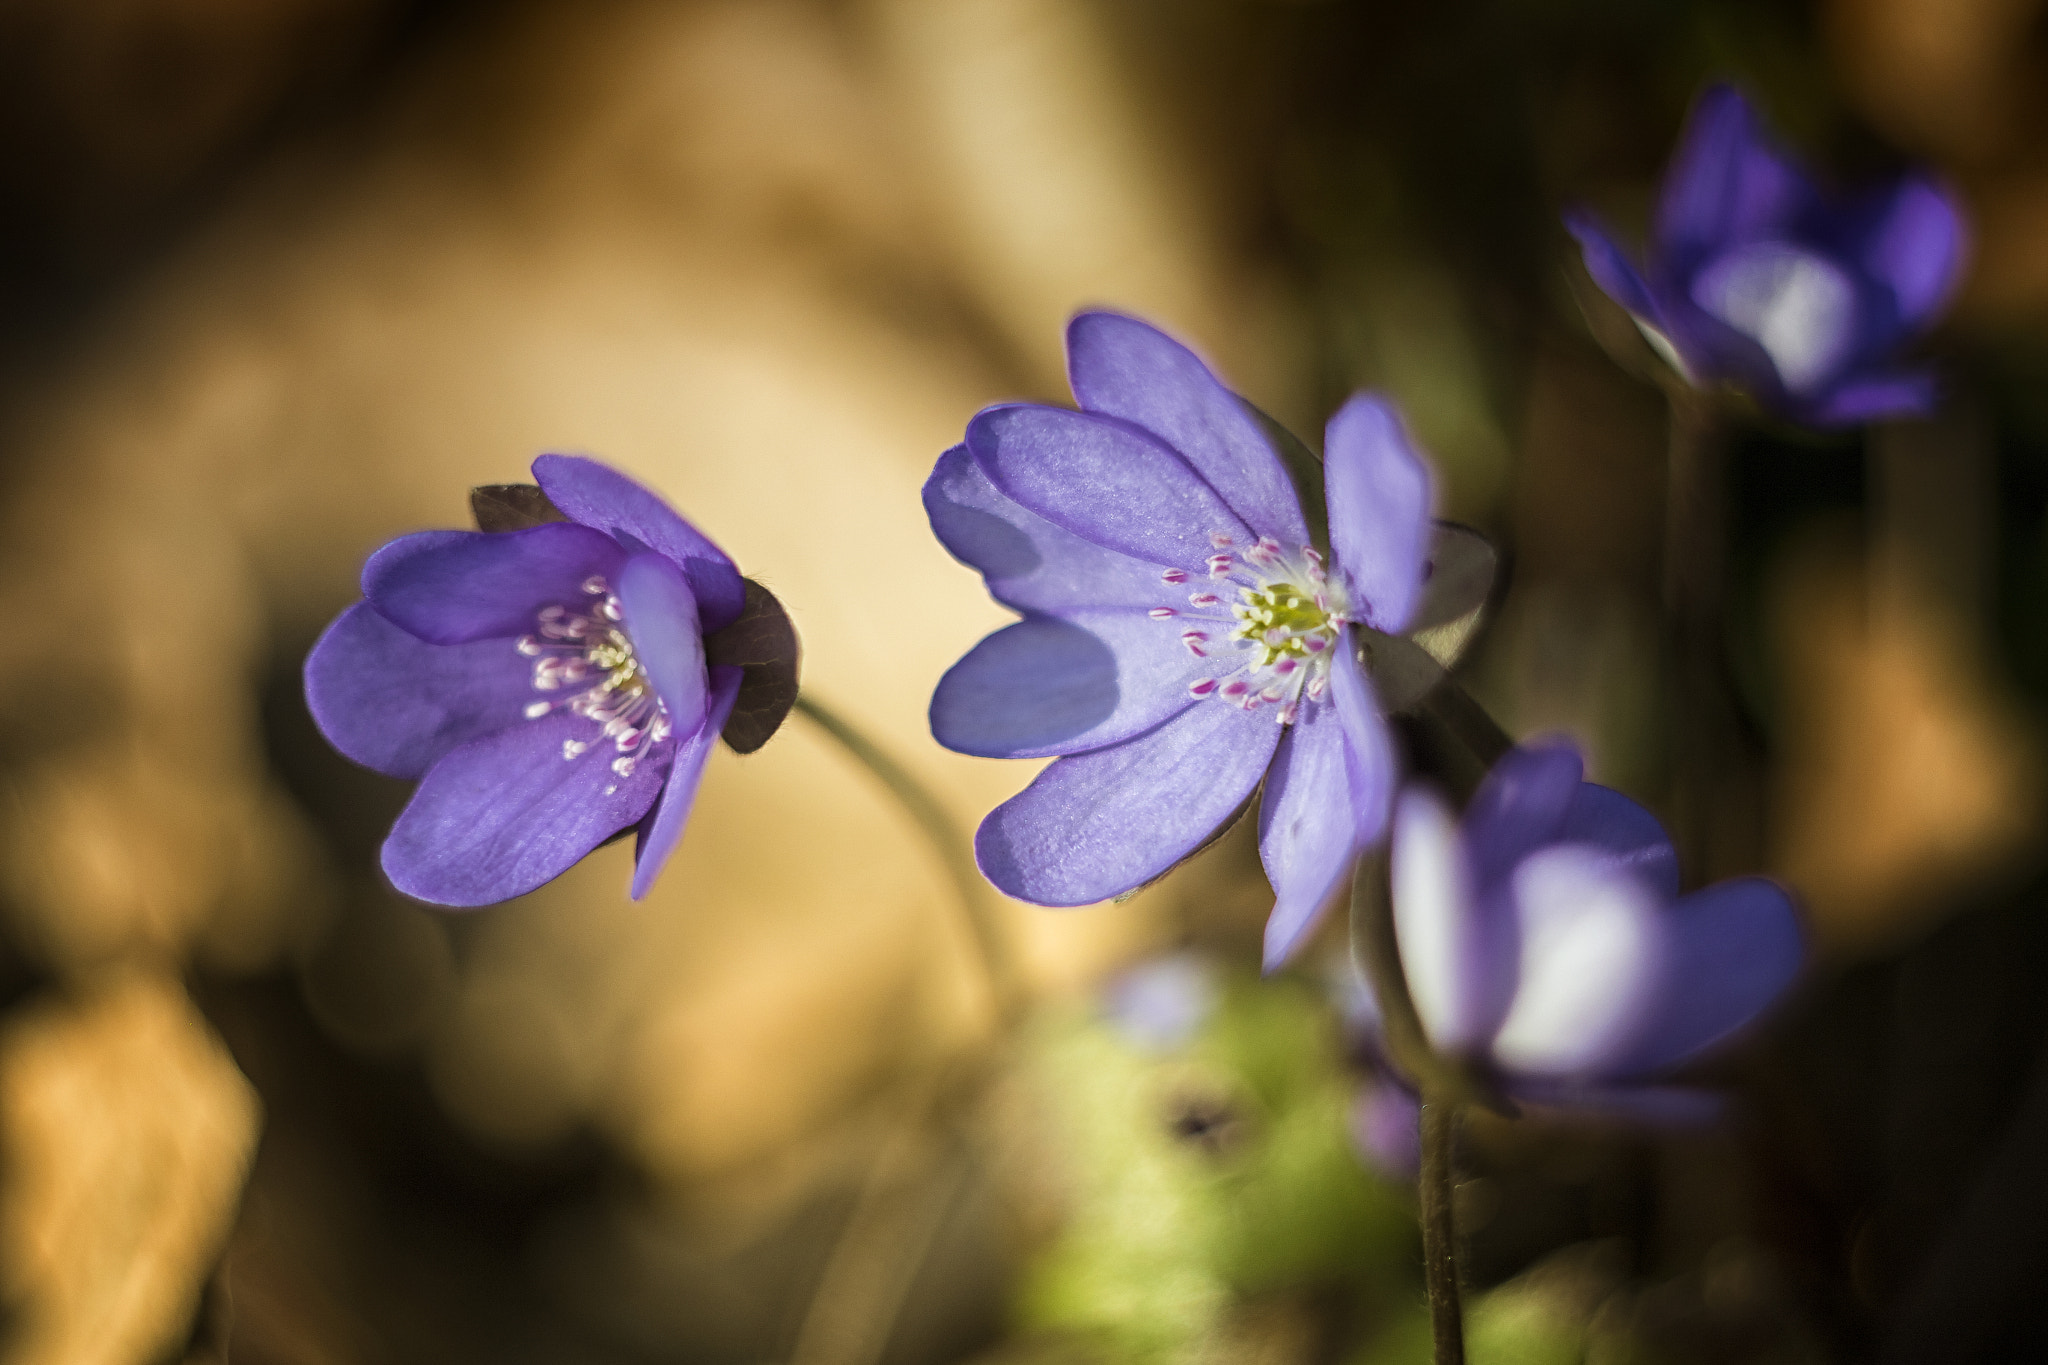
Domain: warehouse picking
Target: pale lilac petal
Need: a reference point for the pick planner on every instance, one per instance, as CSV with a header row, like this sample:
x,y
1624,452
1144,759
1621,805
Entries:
x,y
1129,369
1800,306
598,495
1731,952
1875,398
450,587
1369,743
1105,481
1521,805
1308,828
1604,817
662,829
1726,183
1916,248
661,620
1457,951
1591,948
501,815
1099,824
1611,266
1029,563
1061,685
1379,494
392,702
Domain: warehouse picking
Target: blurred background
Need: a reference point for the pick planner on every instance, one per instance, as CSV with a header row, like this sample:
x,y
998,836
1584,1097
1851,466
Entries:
x,y
280,279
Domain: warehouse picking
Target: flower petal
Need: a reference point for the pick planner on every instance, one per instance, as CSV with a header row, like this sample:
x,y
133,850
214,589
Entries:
x,y
1457,948
1130,369
1062,685
1730,952
450,587
1308,826
1797,304
1592,945
1105,481
1604,817
1031,564
1098,824
1611,267
1915,247
661,619
500,815
1521,804
392,702
1726,184
662,828
598,495
1370,743
1874,398
1379,494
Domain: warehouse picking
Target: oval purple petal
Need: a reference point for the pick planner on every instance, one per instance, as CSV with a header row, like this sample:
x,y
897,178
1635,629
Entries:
x,y
661,619
503,814
1379,494
1028,562
1125,368
1308,827
1101,823
450,587
390,701
1061,685
597,495
1106,482
1732,950
662,830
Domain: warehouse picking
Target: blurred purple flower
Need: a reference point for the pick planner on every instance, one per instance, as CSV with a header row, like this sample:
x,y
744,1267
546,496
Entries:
x,y
547,685
1163,1002
1181,636
1545,941
1755,279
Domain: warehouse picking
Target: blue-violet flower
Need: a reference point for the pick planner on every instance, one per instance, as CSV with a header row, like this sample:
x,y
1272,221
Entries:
x,y
547,685
1545,943
1182,636
1756,280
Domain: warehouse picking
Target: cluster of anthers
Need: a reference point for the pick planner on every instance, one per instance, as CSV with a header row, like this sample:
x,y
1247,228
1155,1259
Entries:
x,y
570,648
1288,620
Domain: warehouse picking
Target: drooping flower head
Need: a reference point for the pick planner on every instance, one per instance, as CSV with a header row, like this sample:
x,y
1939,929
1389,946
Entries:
x,y
1545,943
547,684
1183,636
1756,280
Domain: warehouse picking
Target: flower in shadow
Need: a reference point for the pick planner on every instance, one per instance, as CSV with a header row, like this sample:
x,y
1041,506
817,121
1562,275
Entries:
x,y
1756,280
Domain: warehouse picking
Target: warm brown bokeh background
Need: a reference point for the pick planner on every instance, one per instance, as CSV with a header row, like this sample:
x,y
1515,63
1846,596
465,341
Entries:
x,y
284,279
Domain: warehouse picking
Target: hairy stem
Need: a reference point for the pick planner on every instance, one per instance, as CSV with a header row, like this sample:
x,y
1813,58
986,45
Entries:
x,y
947,840
1439,1228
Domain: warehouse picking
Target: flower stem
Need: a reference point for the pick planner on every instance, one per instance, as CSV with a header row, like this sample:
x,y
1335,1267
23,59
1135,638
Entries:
x,y
1374,941
1694,535
1439,1228
948,841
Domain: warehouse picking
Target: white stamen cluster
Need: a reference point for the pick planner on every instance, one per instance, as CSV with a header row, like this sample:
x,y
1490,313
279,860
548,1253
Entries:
x,y
589,650
1287,620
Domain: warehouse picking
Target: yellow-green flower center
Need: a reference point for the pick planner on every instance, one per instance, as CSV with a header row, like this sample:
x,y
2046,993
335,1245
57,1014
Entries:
x,y
1279,621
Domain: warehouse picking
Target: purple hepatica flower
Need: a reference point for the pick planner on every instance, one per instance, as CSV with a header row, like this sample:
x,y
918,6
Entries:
x,y
1182,638
1756,280
547,685
1545,941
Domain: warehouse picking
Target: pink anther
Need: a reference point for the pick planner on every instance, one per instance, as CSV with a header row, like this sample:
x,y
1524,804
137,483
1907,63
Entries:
x,y
1202,687
1174,576
1204,599
1161,613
